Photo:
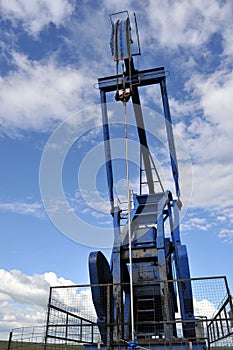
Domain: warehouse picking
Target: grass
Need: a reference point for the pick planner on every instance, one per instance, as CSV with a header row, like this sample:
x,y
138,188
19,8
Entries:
x,y
37,346
40,346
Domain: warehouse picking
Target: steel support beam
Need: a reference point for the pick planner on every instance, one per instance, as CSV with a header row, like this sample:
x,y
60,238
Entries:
x,y
107,148
139,78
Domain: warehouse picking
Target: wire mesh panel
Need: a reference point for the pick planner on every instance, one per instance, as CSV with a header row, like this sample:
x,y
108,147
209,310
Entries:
x,y
30,338
74,323
72,317
208,295
74,299
213,303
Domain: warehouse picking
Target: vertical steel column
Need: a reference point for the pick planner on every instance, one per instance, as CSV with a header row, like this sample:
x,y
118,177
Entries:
x,y
170,136
176,225
182,267
142,138
108,341
162,266
107,148
116,274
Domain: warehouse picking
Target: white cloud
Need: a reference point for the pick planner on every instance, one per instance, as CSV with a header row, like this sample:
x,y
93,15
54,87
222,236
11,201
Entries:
x,y
212,185
227,34
23,298
228,213
36,14
214,92
53,280
23,208
204,307
30,290
186,23
198,223
209,139
38,93
180,109
226,235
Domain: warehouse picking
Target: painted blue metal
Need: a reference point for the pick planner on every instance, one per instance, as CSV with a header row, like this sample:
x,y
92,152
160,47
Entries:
x,y
170,137
100,274
142,138
107,148
141,78
153,252
132,345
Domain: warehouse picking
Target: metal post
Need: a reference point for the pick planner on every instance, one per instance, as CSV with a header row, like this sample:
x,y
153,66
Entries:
x,y
108,342
162,265
176,225
66,331
9,341
142,138
116,268
81,331
229,294
170,136
107,147
47,323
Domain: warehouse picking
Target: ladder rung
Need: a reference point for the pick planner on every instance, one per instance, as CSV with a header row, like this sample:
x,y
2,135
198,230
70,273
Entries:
x,y
151,169
146,299
145,183
152,213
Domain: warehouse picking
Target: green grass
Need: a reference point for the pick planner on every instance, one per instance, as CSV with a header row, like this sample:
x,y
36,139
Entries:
x,y
3,344
37,346
40,346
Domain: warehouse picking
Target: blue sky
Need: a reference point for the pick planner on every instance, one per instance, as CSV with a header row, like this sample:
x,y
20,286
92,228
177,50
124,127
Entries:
x,y
52,53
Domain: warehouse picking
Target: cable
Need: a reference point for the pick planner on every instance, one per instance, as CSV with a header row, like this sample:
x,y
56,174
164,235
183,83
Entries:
x,y
124,98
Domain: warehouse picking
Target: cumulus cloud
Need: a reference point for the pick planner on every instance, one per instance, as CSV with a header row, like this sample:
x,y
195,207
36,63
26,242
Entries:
x,y
23,298
31,290
208,139
36,14
36,94
215,94
186,23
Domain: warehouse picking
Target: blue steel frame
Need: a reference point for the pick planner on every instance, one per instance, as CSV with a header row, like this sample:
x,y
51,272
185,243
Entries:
x,y
139,78
169,208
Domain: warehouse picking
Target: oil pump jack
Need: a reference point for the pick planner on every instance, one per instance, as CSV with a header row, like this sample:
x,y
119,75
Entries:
x,y
142,299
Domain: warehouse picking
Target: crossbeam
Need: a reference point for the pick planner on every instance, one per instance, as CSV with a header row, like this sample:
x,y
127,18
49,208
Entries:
x,y
139,78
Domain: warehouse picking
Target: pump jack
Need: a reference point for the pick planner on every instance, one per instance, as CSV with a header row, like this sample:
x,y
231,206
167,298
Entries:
x,y
149,260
